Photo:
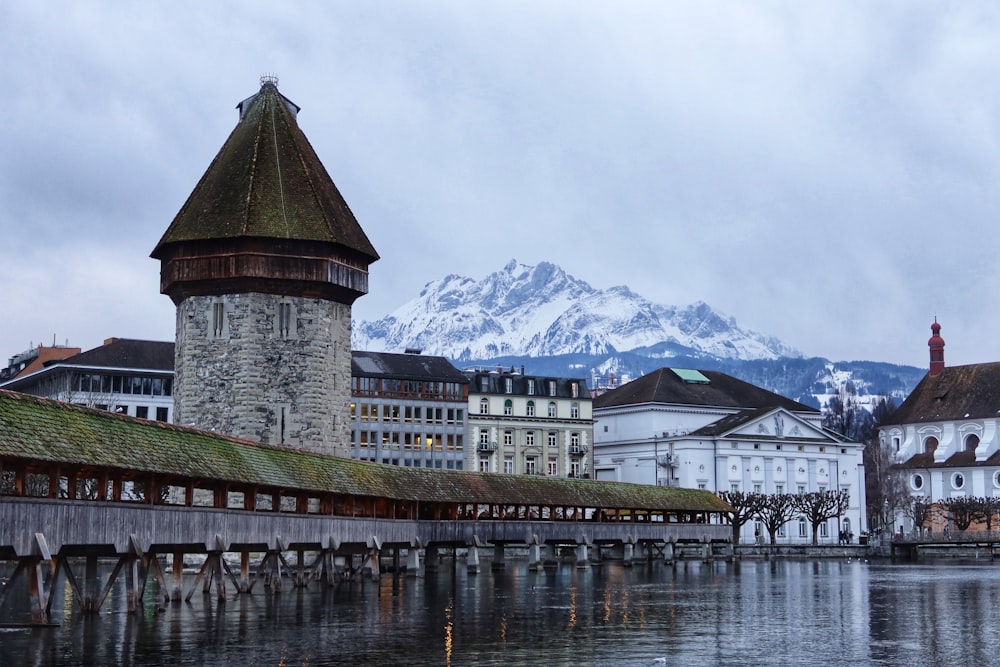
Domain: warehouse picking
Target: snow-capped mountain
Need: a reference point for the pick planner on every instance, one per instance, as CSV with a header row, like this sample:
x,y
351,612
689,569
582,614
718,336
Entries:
x,y
541,311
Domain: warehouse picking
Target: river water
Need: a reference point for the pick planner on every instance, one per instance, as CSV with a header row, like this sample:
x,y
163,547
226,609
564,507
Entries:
x,y
785,612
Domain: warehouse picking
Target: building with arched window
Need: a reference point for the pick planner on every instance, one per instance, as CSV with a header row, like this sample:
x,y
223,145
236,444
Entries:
x,y
946,434
525,424
708,430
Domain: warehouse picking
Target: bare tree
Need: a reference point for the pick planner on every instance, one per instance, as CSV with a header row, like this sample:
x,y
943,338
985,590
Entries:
x,y
819,506
962,511
777,510
919,511
745,507
990,510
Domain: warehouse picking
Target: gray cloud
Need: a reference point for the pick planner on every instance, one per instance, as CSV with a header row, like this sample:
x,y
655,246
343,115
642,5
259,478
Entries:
x,y
824,172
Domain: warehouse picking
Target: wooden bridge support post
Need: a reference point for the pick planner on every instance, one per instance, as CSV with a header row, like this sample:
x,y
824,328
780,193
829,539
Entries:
x,y
499,562
582,556
534,557
372,567
627,554
38,592
431,559
135,576
301,578
176,576
706,552
668,553
413,562
472,560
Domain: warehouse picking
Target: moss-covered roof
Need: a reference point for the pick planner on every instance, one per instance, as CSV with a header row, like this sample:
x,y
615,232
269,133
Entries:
x,y
267,182
44,430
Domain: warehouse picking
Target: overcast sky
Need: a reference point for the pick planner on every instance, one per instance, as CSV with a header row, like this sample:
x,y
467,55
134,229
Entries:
x,y
826,173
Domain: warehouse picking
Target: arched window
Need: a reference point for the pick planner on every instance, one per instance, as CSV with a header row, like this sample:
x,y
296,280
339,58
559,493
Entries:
x,y
930,444
971,442
508,407
531,409
484,406
574,411
552,409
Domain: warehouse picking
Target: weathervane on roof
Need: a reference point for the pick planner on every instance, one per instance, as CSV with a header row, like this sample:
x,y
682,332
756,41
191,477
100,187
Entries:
x,y
266,79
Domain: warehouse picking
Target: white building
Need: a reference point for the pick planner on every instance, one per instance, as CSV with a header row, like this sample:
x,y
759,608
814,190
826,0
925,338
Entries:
x,y
529,424
946,434
130,377
708,430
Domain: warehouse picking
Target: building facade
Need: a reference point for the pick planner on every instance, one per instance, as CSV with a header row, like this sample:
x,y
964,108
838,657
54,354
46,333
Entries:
x,y
408,410
263,263
946,435
707,430
131,377
530,425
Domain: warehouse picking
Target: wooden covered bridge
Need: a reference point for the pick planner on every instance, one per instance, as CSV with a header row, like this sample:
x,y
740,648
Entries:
x,y
80,485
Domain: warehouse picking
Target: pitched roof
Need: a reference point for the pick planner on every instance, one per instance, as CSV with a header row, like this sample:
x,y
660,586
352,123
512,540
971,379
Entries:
x,y
668,386
404,367
267,182
39,429
126,353
957,392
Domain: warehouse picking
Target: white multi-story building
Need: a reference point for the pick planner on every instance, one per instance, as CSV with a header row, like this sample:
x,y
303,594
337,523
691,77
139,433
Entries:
x,y
131,377
708,430
529,424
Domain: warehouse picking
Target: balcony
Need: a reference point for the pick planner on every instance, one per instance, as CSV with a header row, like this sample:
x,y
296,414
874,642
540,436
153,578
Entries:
x,y
486,447
578,450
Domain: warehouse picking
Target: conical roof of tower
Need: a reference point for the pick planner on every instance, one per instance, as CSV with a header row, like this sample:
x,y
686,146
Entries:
x,y
268,183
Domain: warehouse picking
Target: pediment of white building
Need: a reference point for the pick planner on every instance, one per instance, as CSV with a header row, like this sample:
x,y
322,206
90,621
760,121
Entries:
x,y
778,425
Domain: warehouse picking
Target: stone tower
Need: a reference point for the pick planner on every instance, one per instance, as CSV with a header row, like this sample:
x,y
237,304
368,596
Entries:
x,y
263,262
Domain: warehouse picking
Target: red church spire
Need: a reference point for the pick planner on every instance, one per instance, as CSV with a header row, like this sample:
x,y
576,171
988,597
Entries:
x,y
936,345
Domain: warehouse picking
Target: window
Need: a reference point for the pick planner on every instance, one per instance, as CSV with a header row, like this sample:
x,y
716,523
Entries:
x,y
529,441
218,319
971,442
574,469
161,414
824,530
552,387
142,412
702,486
574,411
552,469
508,438
957,480
574,442
484,406
508,385
574,389
781,531
284,319
779,489
735,488
508,408
484,464
508,465
803,527
531,409
552,409
756,488
930,444
531,387
802,488
530,465
553,439
484,436
484,383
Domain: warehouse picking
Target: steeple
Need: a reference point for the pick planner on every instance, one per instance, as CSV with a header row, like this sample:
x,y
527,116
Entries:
x,y
265,216
936,345
264,261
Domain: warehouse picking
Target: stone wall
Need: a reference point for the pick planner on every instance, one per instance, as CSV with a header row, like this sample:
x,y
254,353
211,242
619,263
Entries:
x,y
248,376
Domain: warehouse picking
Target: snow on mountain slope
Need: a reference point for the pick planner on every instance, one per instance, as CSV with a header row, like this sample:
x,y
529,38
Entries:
x,y
543,311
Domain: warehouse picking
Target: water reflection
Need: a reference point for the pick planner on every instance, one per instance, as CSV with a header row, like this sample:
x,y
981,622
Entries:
x,y
747,613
